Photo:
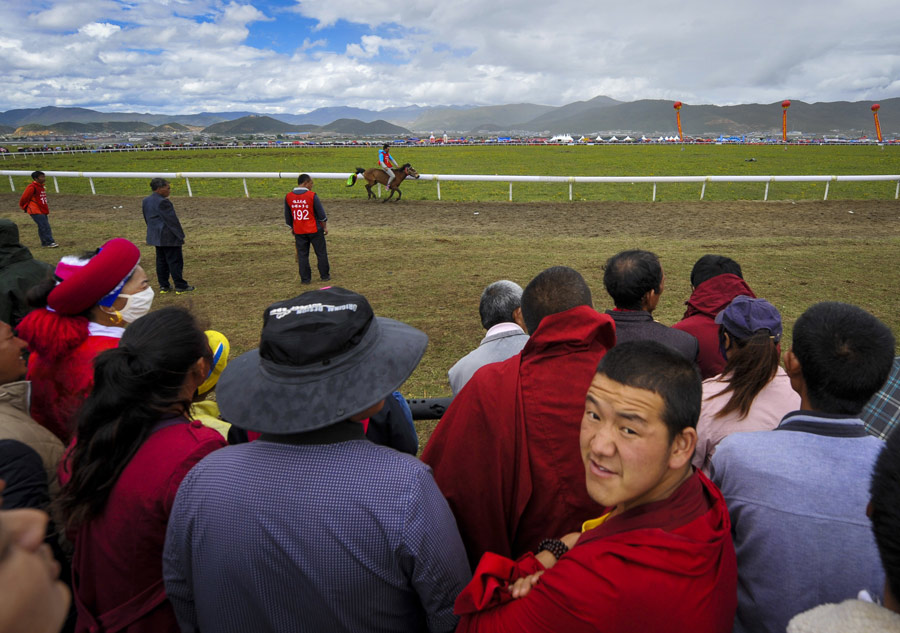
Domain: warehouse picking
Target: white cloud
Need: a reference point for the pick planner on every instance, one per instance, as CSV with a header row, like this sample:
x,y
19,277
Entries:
x,y
99,30
188,55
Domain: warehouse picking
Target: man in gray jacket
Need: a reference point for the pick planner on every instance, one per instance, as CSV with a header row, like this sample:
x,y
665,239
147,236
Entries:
x,y
501,316
165,233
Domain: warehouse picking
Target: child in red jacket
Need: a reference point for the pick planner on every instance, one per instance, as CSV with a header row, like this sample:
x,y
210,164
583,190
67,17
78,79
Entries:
x,y
34,203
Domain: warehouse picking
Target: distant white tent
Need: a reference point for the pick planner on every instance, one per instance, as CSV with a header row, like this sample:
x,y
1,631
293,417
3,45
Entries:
x,y
644,139
627,138
613,139
660,139
562,138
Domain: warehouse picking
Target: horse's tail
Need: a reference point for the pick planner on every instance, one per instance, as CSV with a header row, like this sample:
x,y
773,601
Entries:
x,y
352,179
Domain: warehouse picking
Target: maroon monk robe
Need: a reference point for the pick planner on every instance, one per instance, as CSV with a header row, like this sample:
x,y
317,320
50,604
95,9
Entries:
x,y
506,453
667,566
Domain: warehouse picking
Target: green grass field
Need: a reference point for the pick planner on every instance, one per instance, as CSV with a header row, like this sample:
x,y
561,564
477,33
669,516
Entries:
x,y
626,160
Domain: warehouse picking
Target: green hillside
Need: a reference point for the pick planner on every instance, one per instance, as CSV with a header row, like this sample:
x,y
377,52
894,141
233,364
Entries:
x,y
71,127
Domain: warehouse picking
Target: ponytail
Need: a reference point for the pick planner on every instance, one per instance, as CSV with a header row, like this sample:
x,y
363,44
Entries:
x,y
135,386
751,365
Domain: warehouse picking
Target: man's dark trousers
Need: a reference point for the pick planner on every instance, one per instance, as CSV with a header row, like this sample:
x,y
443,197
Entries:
x,y
43,225
170,261
318,243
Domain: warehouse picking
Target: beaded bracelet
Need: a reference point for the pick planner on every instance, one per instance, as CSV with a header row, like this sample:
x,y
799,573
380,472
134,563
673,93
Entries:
x,y
554,546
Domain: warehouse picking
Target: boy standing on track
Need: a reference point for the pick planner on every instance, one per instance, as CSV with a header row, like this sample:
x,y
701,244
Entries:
x,y
34,203
303,212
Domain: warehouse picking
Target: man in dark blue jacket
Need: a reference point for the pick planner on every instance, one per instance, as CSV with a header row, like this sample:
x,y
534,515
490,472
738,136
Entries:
x,y
165,233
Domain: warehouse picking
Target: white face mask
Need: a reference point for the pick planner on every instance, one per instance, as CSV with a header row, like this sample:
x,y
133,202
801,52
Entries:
x,y
136,305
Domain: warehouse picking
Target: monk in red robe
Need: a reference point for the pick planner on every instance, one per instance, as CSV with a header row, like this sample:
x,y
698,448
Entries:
x,y
661,558
505,455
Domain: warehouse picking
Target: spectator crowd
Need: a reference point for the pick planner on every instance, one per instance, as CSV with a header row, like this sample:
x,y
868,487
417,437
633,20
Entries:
x,y
596,470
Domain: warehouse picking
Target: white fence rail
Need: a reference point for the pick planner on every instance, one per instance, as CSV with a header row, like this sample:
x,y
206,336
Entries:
x,y
439,178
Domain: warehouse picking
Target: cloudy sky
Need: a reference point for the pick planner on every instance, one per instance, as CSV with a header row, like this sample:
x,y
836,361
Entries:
x,y
291,56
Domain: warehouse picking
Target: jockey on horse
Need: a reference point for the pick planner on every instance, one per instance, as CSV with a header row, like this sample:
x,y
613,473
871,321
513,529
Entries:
x,y
386,161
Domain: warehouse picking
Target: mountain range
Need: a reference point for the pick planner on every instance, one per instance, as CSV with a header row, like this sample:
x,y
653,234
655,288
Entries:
x,y
600,114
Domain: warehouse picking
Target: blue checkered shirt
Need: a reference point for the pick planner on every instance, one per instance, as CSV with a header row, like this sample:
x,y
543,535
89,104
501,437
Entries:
x,y
883,410
343,536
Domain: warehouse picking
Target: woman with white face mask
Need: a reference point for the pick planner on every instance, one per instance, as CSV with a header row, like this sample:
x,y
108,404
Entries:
x,y
81,311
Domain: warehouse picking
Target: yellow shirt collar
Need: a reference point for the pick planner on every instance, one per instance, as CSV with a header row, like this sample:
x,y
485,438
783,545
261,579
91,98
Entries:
x,y
590,524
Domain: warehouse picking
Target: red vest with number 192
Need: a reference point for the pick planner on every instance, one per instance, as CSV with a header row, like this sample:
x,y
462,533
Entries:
x,y
302,211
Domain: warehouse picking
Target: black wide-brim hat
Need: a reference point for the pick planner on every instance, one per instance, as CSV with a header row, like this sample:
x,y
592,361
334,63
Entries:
x,y
323,357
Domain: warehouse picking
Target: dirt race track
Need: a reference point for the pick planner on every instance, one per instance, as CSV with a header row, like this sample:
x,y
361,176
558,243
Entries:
x,y
680,220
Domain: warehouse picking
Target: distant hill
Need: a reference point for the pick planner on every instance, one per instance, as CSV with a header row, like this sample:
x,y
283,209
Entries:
x,y
268,125
403,116
323,116
651,117
461,120
658,117
171,127
6,129
360,128
550,119
255,124
71,127
53,114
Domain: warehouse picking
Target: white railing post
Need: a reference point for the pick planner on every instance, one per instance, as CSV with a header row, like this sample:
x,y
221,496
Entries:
x,y
509,179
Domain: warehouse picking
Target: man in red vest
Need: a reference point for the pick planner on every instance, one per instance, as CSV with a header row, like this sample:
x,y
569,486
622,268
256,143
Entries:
x,y
303,212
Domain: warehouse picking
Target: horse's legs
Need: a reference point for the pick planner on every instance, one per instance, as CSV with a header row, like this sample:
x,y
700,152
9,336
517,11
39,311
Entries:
x,y
369,191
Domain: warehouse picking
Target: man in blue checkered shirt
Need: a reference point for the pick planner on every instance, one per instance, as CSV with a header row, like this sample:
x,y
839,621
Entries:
x,y
312,527
882,412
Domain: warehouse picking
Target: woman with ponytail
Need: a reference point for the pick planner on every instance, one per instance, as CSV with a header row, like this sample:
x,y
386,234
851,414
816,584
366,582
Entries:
x,y
81,311
134,444
753,392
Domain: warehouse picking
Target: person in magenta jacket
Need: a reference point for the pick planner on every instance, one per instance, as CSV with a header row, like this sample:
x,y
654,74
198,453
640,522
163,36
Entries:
x,y
133,446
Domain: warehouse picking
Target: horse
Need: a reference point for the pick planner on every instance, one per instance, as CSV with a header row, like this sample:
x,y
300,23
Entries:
x,y
373,175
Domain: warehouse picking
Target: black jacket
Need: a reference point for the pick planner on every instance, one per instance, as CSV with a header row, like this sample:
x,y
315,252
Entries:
x,y
638,325
163,227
